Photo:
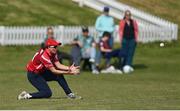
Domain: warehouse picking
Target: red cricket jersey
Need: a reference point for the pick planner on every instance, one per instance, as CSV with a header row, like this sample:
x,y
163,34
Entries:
x,y
41,61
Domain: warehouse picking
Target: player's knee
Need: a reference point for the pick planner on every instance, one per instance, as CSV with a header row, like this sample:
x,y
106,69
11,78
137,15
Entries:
x,y
47,94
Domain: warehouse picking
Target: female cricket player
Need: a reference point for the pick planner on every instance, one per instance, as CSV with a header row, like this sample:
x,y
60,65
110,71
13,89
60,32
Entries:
x,y
44,67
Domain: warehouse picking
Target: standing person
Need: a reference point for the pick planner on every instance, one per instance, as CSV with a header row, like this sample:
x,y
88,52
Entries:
x,y
87,47
61,55
128,31
105,23
44,67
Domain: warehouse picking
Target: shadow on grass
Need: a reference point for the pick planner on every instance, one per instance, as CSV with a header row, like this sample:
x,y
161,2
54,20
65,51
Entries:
x,y
58,98
64,98
135,66
140,66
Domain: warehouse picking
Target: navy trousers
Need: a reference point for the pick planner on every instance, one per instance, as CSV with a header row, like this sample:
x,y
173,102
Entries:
x,y
119,53
40,83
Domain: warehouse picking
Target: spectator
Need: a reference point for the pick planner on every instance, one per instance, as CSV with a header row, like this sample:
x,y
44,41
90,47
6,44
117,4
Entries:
x,y
128,31
76,52
108,53
45,67
105,23
87,47
61,55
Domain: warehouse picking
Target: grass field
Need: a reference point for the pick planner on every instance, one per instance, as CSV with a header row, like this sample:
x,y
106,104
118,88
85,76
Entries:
x,y
155,84
44,12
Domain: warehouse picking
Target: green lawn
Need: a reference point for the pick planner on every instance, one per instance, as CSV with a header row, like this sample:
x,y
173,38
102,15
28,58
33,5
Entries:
x,y
155,84
44,12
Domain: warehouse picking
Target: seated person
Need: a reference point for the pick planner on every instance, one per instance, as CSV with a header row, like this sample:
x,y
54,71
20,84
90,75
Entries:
x,y
61,55
108,52
85,44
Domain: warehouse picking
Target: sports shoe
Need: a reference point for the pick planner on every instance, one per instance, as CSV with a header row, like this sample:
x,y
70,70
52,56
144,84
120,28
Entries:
x,y
24,95
95,71
118,71
110,69
73,96
91,60
104,71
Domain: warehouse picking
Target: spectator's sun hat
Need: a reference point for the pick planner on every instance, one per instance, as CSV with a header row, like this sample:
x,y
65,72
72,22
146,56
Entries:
x,y
106,9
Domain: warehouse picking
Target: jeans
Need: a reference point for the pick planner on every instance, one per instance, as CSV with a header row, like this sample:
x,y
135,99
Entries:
x,y
93,56
129,46
86,55
76,54
111,41
40,83
98,57
93,53
89,53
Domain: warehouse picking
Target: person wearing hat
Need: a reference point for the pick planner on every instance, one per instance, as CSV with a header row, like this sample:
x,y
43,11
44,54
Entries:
x,y
44,67
87,47
105,23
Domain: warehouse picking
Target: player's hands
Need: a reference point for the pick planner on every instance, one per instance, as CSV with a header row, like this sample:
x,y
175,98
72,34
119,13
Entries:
x,y
74,69
109,50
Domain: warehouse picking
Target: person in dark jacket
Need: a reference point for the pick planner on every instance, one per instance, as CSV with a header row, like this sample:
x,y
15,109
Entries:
x,y
128,32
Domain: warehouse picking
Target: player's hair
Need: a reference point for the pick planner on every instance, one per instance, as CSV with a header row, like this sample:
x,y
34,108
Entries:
x,y
85,29
106,34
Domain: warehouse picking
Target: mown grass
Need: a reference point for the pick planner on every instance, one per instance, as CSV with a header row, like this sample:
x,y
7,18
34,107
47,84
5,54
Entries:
x,y
65,12
44,12
153,85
